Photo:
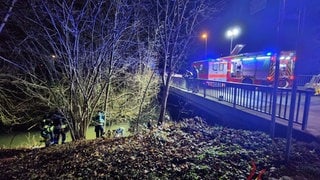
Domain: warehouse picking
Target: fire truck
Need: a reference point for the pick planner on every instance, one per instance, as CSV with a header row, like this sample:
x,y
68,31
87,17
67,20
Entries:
x,y
250,68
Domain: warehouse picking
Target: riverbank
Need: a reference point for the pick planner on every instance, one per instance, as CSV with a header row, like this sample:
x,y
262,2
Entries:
x,y
186,150
32,138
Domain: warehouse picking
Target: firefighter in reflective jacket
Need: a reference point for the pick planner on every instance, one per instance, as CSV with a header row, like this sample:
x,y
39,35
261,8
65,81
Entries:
x,y
47,132
99,124
60,127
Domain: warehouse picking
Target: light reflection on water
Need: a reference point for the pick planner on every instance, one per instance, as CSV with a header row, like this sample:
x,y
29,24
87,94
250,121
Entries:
x,y
32,138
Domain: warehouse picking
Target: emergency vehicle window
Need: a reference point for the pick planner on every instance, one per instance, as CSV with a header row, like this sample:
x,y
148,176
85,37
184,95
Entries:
x,y
283,66
283,69
239,70
215,67
221,67
238,67
233,69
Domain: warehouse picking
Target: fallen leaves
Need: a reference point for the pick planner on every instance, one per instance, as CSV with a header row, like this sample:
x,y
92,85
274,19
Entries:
x,y
186,150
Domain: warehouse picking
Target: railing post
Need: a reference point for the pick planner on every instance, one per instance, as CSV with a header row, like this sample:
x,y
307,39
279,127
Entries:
x,y
204,89
306,110
234,97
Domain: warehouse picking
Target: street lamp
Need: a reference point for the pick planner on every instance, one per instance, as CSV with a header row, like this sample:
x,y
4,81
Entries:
x,y
205,37
232,33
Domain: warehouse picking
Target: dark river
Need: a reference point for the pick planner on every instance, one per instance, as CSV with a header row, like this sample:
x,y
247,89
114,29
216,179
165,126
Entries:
x,y
33,138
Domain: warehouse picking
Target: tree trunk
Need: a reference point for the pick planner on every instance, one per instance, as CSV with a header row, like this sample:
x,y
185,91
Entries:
x,y
164,99
143,99
106,100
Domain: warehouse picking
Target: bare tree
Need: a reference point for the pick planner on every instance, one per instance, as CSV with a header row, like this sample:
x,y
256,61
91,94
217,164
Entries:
x,y
81,57
74,55
175,25
3,96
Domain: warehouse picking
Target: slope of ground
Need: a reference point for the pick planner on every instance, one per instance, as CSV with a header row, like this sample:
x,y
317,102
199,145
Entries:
x,y
185,150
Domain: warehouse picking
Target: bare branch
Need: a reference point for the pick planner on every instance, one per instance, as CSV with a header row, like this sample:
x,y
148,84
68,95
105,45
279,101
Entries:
x,y
8,14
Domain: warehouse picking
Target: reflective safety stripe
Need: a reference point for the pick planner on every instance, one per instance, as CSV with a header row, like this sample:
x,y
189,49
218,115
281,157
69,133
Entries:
x,y
101,117
48,128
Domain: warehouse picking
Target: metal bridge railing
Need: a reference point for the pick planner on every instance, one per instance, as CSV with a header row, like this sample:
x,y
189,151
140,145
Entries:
x,y
254,97
303,79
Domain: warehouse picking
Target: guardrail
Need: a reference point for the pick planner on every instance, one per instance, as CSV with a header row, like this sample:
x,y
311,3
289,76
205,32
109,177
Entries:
x,y
254,97
303,79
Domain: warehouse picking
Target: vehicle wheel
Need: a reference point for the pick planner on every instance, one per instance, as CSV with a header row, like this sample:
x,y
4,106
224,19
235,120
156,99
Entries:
x,y
283,83
247,81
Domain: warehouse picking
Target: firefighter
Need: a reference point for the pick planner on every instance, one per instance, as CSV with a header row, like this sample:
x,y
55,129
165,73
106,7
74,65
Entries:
x,y
195,83
188,77
99,124
59,127
47,132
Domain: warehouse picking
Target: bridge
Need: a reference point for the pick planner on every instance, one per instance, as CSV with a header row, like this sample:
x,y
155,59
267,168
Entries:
x,y
247,103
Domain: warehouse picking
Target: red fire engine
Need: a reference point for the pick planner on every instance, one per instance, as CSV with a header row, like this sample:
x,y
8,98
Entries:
x,y
251,68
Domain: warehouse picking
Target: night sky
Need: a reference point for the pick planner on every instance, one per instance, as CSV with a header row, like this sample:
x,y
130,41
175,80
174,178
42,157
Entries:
x,y
258,29
299,31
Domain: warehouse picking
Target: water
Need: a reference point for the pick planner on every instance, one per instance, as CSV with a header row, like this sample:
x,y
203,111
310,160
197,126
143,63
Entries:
x,y
33,138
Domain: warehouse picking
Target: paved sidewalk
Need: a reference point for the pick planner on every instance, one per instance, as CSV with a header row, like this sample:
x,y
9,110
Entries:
x,y
313,126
